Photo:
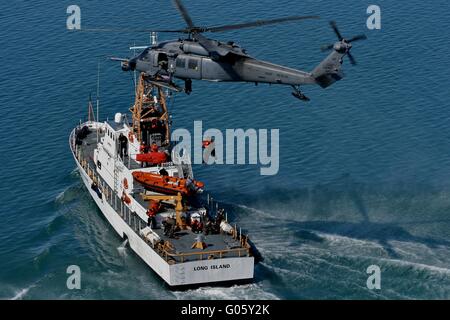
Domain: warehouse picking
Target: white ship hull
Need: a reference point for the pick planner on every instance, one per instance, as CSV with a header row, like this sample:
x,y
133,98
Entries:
x,y
179,274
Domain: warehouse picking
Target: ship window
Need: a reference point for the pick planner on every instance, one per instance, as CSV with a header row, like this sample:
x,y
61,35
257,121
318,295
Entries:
x,y
99,165
181,63
193,64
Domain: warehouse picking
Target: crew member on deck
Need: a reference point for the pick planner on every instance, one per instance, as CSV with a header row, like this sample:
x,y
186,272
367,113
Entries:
x,y
151,213
143,148
123,146
154,147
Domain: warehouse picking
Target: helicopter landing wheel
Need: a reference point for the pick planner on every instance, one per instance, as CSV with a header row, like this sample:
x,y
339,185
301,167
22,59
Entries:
x,y
299,95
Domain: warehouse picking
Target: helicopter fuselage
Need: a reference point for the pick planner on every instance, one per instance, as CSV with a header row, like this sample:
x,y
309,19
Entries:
x,y
187,59
200,58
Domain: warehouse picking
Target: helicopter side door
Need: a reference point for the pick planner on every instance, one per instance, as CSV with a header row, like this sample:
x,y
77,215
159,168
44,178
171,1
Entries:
x,y
188,67
181,66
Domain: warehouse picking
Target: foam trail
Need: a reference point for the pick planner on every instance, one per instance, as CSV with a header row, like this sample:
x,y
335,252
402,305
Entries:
x,y
122,248
22,293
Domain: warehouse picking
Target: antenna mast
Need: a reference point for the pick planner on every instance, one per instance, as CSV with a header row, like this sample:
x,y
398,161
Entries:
x,y
154,38
134,71
98,94
98,87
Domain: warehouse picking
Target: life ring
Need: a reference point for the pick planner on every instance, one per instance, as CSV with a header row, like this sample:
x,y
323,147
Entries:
x,y
125,183
130,137
126,198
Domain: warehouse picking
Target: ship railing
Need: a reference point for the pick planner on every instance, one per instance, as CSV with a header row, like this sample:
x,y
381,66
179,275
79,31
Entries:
x,y
173,258
166,164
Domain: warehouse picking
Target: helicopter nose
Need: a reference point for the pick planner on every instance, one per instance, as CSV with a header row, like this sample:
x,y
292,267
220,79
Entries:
x,y
132,64
129,65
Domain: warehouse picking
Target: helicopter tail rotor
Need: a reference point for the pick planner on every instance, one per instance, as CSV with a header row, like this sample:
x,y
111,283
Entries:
x,y
329,70
344,45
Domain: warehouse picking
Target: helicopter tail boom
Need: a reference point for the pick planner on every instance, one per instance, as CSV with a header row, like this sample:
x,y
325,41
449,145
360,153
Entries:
x,y
329,70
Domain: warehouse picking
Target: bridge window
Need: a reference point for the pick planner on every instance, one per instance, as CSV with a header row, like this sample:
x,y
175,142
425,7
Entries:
x,y
181,63
193,64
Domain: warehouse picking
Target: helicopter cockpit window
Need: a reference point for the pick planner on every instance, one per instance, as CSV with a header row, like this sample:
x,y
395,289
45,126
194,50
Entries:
x,y
193,64
144,55
181,63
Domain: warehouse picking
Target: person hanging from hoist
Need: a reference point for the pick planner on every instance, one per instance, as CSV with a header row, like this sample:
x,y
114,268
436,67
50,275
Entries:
x,y
207,143
188,86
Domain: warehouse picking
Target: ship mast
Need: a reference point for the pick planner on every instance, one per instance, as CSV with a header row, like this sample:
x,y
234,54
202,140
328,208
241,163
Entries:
x,y
150,96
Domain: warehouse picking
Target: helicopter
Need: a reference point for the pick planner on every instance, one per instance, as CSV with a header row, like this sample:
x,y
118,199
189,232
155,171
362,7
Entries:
x,y
200,58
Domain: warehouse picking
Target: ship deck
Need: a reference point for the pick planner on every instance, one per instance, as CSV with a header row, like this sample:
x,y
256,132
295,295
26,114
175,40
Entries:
x,y
184,240
218,245
90,144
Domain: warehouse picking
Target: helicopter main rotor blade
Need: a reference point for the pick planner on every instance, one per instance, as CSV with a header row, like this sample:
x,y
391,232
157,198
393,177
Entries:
x,y
258,23
180,7
358,38
336,30
210,46
132,30
352,60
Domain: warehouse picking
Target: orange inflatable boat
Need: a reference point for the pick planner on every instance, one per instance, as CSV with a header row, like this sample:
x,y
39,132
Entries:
x,y
168,185
152,157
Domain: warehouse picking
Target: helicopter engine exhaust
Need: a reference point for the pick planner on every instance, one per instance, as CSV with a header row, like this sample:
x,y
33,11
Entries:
x,y
195,48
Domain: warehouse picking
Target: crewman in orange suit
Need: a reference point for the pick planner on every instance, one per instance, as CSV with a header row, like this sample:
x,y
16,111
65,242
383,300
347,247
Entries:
x,y
152,210
154,147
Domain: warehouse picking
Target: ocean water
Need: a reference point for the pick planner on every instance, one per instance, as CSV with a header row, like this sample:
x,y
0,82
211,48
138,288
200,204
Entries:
x,y
364,167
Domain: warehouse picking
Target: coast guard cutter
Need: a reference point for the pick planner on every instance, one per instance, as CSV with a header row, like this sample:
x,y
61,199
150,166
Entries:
x,y
148,194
